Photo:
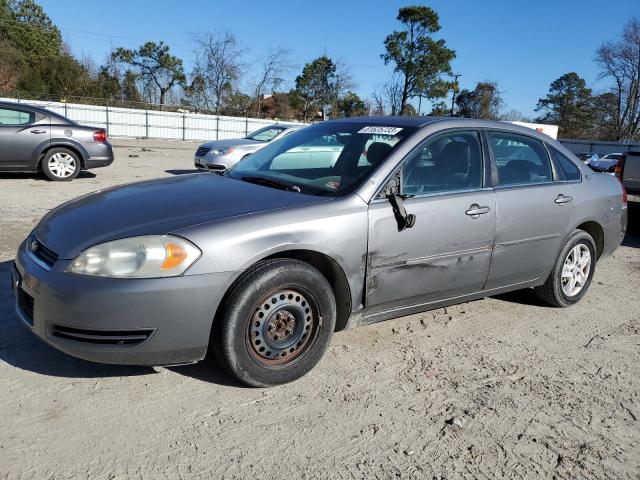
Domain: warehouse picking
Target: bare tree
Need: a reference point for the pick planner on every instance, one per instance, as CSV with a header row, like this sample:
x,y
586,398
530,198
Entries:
x,y
275,66
620,61
217,70
388,97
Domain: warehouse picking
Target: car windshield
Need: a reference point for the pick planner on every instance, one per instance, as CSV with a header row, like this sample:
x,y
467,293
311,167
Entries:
x,y
330,158
265,134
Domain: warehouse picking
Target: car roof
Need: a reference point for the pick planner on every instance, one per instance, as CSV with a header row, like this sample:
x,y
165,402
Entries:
x,y
26,105
447,122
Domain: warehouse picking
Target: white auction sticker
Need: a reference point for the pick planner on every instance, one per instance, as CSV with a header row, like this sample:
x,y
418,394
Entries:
x,y
380,130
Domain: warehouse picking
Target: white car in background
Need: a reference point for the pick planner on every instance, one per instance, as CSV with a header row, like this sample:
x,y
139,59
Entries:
x,y
220,155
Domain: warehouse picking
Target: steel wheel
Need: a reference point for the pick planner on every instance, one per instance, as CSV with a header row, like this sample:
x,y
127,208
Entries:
x,y
62,165
283,327
575,270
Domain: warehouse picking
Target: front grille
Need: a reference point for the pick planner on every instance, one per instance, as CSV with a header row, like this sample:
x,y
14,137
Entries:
x,y
102,337
27,304
217,168
42,253
202,151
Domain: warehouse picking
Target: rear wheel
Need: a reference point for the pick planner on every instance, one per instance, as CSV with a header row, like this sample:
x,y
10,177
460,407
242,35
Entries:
x,y
61,165
572,272
276,323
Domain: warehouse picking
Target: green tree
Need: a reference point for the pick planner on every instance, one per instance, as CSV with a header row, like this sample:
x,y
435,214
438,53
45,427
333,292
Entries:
x,y
569,105
158,69
351,105
316,87
26,25
417,56
484,101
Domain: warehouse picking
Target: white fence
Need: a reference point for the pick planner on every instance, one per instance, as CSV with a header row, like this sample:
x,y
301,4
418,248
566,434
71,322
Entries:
x,y
129,122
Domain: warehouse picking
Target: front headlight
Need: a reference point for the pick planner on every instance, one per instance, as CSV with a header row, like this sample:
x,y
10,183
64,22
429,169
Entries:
x,y
222,151
137,257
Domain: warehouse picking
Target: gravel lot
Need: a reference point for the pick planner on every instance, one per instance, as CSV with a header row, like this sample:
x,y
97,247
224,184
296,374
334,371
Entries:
x,y
500,387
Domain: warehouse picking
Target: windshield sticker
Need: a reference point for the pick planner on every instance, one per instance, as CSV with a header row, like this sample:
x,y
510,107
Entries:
x,y
380,130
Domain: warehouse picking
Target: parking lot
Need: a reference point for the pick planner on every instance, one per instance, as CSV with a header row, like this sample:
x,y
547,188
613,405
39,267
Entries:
x,y
501,386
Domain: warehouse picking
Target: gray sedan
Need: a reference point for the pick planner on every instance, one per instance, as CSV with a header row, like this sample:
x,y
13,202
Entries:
x,y
220,155
262,264
33,139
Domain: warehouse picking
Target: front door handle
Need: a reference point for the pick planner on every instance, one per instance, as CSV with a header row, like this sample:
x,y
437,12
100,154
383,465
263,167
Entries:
x,y
476,210
38,131
560,199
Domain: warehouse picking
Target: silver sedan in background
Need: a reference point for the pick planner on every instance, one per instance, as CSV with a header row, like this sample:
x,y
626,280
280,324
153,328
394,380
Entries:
x,y
220,155
34,139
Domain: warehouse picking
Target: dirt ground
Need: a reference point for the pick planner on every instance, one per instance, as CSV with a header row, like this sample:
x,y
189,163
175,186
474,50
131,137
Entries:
x,y
501,387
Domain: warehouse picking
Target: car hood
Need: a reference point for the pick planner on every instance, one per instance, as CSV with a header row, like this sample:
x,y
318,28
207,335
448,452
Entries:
x,y
231,142
156,207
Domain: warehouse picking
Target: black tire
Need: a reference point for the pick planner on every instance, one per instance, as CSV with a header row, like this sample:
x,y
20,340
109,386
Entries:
x,y
69,157
246,332
552,291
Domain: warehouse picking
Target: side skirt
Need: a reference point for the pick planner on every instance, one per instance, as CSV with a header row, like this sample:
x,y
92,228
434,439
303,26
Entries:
x,y
370,315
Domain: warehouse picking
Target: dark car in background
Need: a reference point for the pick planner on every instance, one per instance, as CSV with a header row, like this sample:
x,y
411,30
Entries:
x,y
34,139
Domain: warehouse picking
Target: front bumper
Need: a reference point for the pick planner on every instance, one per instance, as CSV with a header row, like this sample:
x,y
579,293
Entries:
x,y
163,321
217,163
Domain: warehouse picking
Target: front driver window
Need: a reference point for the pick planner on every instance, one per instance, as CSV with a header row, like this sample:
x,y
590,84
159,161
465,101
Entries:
x,y
448,162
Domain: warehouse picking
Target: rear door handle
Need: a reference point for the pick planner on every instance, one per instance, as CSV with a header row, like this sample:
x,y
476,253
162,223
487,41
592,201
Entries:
x,y
38,131
476,210
560,199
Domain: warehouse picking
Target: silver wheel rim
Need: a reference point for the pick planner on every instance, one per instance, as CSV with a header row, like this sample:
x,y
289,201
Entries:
x,y
575,270
62,165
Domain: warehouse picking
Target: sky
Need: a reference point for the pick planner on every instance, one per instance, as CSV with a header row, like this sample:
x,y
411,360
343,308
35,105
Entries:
x,y
522,45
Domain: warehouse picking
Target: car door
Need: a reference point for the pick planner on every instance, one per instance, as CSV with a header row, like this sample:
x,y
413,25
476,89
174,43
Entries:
x,y
21,132
448,250
534,207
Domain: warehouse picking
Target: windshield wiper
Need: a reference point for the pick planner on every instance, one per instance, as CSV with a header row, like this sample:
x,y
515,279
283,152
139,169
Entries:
x,y
267,182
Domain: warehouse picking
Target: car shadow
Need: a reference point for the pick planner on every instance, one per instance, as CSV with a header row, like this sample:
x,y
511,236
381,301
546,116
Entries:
x,y
37,176
207,370
523,297
184,171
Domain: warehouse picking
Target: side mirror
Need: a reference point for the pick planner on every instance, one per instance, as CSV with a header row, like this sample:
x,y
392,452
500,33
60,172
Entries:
x,y
392,191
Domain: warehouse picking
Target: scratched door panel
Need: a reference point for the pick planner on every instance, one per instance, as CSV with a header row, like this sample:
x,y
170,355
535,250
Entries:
x,y
446,253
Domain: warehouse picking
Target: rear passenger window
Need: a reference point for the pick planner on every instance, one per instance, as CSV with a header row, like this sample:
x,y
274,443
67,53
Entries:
x,y
9,116
448,162
570,170
520,159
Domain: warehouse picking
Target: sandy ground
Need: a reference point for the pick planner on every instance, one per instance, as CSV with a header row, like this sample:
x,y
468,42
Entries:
x,y
500,387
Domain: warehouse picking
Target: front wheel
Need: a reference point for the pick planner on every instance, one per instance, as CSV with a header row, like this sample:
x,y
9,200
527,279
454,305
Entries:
x,y
572,272
276,324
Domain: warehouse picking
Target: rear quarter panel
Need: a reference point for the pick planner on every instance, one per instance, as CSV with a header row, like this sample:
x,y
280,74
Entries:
x,y
599,198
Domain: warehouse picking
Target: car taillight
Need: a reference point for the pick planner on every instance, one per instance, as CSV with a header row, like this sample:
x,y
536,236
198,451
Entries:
x,y
620,166
100,136
619,170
